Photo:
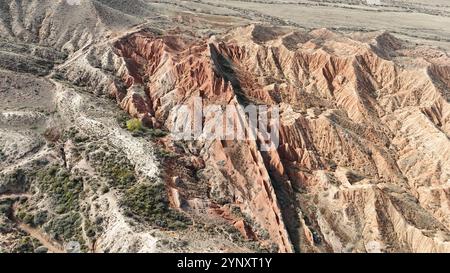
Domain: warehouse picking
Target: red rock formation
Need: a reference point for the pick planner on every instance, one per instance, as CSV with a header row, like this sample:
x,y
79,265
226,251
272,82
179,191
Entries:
x,y
363,119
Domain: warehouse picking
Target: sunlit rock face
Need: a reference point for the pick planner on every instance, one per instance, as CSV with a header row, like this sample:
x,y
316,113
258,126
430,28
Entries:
x,y
362,164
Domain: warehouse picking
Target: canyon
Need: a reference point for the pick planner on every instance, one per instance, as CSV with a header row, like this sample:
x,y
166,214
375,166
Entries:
x,y
88,97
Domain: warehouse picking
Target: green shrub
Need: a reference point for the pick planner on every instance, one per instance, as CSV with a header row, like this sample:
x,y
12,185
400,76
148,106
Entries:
x,y
62,187
150,203
121,176
163,154
139,130
28,219
91,232
134,125
6,207
104,189
158,133
6,226
58,76
40,218
25,245
115,167
122,119
66,227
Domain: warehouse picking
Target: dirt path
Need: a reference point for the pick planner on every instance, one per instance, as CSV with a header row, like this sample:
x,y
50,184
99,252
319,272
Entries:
x,y
13,196
42,238
38,235
52,246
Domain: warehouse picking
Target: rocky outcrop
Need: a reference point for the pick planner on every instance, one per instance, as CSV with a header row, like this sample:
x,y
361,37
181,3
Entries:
x,y
364,131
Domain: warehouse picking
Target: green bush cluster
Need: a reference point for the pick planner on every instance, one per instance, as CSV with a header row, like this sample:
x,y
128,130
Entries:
x,y
27,218
26,244
70,133
92,229
139,130
6,226
119,176
158,133
150,203
17,181
66,227
33,219
6,207
113,165
122,119
134,125
40,218
62,187
163,154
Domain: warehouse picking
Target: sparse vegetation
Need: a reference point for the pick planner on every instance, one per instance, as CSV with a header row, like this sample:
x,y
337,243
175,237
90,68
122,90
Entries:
x,y
157,133
137,128
5,209
66,227
57,75
122,119
52,134
104,189
90,229
16,181
150,203
163,153
5,225
62,187
40,218
113,165
26,244
120,175
2,156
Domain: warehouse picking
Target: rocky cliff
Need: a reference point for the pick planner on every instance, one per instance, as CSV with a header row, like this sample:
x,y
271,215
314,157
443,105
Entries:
x,y
364,130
